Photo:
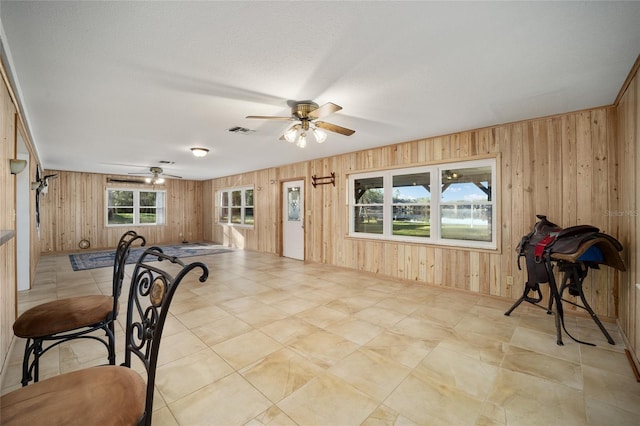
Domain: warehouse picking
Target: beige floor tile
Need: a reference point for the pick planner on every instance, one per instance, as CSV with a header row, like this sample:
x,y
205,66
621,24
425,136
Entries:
x,y
477,346
221,329
246,348
457,371
621,391
228,401
328,400
183,376
355,330
384,416
544,366
273,416
370,373
546,344
600,413
323,348
274,341
281,373
322,316
403,349
178,346
528,400
288,330
430,402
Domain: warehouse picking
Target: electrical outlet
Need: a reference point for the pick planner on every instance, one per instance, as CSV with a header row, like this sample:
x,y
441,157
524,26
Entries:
x,y
509,279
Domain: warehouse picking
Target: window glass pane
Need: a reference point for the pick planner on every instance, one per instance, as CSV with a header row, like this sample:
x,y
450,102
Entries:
x,y
411,220
236,198
224,214
368,219
148,199
293,204
224,198
248,216
236,215
411,205
466,222
160,207
120,198
147,215
466,185
414,188
248,197
369,190
120,215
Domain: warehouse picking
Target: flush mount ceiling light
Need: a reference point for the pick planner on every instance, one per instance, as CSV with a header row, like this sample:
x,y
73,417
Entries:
x,y
306,113
199,152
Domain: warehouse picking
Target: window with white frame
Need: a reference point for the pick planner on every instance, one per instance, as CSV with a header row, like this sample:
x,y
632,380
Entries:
x,y
126,207
235,206
448,204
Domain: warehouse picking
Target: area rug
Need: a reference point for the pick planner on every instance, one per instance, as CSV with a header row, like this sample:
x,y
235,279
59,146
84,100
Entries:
x,y
82,261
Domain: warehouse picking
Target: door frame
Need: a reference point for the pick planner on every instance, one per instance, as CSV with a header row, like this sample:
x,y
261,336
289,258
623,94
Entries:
x,y
281,214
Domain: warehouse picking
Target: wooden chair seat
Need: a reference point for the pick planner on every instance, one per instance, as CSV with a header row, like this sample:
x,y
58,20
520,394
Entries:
x,y
106,395
63,315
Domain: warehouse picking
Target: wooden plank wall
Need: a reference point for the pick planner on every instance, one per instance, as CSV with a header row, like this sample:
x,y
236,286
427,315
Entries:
x,y
74,209
628,211
7,223
563,166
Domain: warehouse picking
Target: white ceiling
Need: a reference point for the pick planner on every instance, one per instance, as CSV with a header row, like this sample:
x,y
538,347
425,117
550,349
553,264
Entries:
x,y
116,87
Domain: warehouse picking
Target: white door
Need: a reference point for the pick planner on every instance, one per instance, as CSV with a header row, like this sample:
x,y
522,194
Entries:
x,y
293,219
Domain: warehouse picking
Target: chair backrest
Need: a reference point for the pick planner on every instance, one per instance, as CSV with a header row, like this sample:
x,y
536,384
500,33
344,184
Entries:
x,y
152,290
120,262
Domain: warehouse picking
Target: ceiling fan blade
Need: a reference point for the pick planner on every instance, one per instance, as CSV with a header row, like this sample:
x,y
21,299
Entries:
x,y
172,176
324,110
334,128
269,117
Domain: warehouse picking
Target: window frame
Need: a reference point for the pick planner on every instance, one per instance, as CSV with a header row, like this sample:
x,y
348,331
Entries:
x,y
161,209
435,178
229,207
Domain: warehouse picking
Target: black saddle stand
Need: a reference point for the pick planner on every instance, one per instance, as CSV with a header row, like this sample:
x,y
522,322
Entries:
x,y
574,275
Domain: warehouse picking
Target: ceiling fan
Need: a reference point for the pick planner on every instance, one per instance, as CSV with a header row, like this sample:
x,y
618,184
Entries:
x,y
156,175
306,113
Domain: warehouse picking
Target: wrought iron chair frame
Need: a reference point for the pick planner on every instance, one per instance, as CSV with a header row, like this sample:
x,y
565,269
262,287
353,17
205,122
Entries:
x,y
34,346
150,295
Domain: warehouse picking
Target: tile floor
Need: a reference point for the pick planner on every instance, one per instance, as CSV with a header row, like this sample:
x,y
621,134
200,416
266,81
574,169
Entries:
x,y
270,340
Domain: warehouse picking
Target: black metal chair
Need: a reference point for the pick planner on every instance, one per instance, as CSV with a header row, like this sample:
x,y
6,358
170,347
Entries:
x,y
62,320
110,394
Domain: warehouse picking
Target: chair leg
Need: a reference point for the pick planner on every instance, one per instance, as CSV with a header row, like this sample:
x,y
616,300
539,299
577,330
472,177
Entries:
x,y
111,347
31,370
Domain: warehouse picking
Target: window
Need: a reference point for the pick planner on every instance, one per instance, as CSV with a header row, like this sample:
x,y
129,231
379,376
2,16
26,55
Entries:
x,y
235,206
449,204
135,207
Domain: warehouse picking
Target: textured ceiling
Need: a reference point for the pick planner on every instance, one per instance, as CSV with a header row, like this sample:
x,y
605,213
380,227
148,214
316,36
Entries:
x,y
116,87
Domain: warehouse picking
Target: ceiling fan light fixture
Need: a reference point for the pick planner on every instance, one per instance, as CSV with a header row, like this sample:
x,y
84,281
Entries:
x,y
199,152
320,135
302,140
290,134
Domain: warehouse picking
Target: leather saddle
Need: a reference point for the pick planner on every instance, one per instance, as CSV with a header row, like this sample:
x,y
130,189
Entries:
x,y
548,241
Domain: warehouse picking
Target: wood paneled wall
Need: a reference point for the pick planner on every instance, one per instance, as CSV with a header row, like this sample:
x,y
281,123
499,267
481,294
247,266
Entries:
x,y
7,223
563,166
628,210
74,209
